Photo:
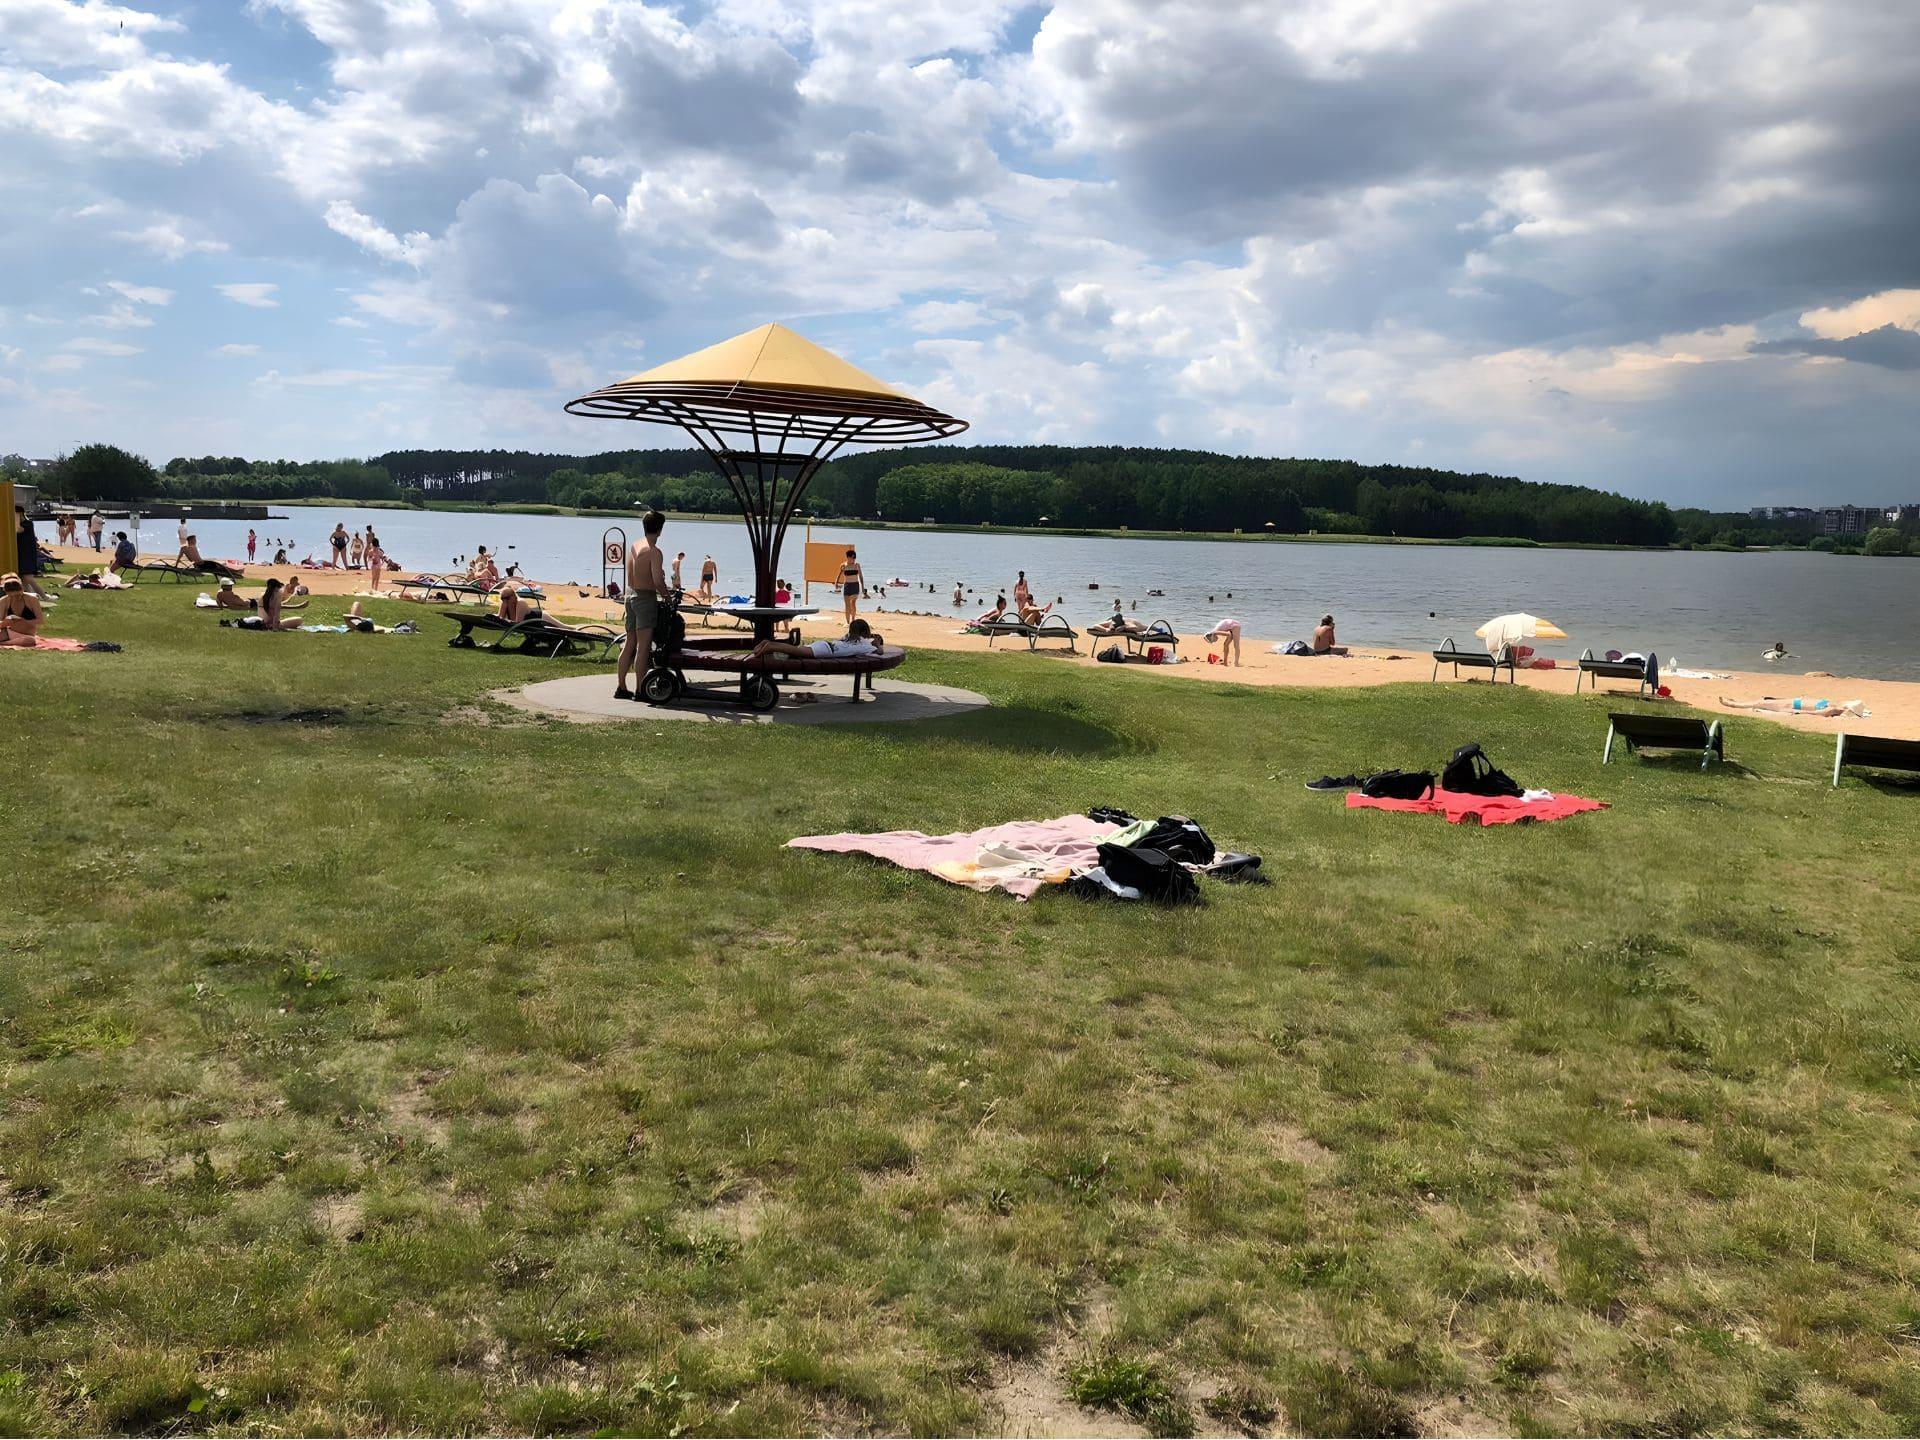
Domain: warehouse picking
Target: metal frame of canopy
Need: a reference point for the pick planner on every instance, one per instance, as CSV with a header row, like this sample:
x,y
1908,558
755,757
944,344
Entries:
x,y
791,429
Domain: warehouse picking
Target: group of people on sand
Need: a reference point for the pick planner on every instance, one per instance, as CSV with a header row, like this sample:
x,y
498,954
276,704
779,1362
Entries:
x,y
66,529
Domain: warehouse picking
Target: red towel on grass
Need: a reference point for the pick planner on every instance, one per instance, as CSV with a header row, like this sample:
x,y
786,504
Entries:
x,y
1481,809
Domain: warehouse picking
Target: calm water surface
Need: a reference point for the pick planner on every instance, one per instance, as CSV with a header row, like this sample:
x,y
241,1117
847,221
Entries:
x,y
1847,614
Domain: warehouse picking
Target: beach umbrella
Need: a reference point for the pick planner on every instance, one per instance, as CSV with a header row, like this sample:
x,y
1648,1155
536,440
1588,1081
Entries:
x,y
770,408
1505,630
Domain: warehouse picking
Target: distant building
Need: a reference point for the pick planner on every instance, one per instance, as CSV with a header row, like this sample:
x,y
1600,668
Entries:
x,y
1851,519
1781,512
1903,514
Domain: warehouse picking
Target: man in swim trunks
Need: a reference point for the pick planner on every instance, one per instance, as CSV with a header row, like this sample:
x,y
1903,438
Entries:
x,y
709,577
646,583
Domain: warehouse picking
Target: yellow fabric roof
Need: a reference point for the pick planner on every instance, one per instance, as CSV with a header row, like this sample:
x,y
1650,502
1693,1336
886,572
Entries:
x,y
771,355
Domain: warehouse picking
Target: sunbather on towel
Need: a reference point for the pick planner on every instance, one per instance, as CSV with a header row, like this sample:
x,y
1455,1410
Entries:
x,y
226,598
1800,705
1323,639
860,640
273,607
996,614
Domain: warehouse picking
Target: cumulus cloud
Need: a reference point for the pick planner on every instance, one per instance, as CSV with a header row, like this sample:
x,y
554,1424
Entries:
x,y
236,349
1544,238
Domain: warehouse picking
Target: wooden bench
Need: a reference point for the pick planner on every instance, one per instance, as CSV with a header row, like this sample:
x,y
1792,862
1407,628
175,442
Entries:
x,y
758,690
1665,732
1878,752
1597,669
1451,654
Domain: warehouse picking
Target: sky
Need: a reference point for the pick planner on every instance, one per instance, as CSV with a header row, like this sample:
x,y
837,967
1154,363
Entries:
x,y
1670,249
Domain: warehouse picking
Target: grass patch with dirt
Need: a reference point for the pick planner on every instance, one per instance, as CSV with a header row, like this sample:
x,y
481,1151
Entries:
x,y
374,1058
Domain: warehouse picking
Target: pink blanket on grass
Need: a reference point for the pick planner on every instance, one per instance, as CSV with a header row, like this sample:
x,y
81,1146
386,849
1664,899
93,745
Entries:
x,y
48,642
1482,809
1018,857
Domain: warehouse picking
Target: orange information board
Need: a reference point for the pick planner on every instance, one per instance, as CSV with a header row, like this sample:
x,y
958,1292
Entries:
x,y
10,559
823,562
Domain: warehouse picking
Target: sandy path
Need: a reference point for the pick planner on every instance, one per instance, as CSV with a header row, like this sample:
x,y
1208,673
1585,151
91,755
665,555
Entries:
x,y
1895,704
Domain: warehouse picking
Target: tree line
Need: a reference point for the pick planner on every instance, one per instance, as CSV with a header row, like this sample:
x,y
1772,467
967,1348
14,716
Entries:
x,y
1090,487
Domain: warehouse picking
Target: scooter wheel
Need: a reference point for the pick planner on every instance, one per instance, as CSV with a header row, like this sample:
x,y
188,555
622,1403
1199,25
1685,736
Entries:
x,y
762,693
660,687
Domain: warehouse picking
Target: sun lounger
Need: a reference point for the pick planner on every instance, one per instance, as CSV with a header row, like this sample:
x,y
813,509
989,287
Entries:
x,y
1451,654
714,615
165,569
1051,627
536,634
1665,732
1596,669
1877,752
1158,633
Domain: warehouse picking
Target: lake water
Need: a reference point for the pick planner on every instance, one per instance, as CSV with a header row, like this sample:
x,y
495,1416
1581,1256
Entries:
x,y
1847,614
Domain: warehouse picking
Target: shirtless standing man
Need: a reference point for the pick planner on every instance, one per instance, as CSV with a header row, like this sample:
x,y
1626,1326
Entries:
x,y
646,583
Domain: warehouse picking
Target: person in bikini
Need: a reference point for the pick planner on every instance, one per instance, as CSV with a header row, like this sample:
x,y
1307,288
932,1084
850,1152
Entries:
x,y
646,584
21,612
853,581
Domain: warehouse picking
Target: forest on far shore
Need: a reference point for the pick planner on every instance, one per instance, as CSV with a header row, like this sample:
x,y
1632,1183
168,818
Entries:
x,y
1063,486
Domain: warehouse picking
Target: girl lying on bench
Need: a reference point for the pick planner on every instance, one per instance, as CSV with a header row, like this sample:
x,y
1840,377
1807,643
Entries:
x,y
860,641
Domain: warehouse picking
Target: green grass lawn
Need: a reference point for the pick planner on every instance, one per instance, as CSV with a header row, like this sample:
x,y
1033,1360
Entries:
x,y
426,1067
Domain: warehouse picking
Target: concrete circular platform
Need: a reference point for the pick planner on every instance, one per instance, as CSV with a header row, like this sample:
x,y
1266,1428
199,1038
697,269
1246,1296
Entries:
x,y
803,701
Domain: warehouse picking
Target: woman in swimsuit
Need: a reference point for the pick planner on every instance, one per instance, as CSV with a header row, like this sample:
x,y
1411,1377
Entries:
x,y
339,538
376,560
852,581
20,613
271,616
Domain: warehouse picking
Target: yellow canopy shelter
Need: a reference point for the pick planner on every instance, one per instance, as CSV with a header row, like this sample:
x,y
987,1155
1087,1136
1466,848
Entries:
x,y
769,407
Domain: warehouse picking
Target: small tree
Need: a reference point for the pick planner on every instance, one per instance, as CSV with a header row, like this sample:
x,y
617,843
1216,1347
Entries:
x,y
1886,541
105,472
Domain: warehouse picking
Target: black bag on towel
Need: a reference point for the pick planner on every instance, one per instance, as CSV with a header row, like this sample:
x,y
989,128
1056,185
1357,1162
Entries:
x,y
1154,873
1470,772
1398,785
1179,837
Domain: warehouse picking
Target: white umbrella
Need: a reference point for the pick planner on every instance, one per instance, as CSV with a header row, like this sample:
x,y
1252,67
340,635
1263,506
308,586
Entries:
x,y
1505,630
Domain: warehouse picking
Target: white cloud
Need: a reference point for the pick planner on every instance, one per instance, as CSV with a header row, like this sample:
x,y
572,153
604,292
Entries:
x,y
86,345
167,237
375,239
141,294
235,349
1900,308
255,293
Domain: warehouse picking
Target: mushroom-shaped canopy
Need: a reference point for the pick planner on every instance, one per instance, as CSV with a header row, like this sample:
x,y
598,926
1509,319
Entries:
x,y
775,387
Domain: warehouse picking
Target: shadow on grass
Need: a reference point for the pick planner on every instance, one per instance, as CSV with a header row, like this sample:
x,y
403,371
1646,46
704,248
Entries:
x,y
1027,730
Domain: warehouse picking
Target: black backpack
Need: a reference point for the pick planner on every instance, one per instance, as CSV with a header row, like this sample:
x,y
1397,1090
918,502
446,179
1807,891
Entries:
x,y
1154,873
1470,772
1398,785
1113,654
1179,837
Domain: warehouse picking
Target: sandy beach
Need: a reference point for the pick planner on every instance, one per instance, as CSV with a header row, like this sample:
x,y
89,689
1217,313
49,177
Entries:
x,y
1894,704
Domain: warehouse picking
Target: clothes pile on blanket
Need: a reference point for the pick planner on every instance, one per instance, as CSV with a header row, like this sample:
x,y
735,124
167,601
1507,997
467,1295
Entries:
x,y
1106,853
1470,789
63,644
